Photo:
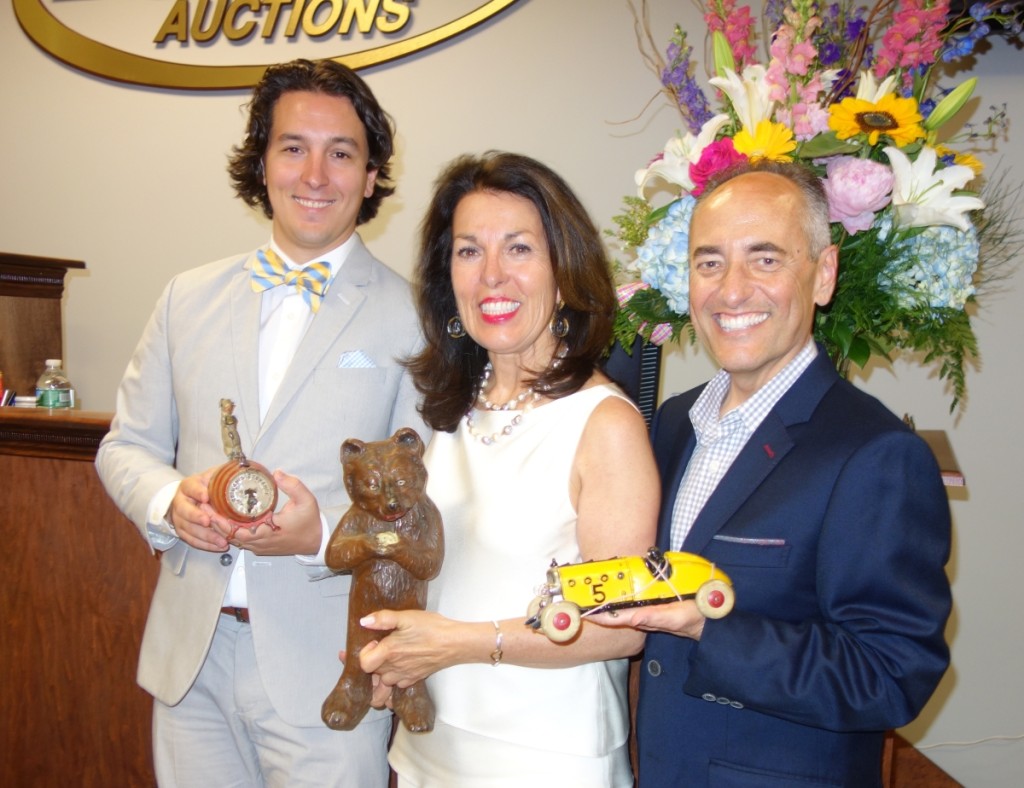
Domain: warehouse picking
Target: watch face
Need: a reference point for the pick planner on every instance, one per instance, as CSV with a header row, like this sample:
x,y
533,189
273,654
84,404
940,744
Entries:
x,y
250,493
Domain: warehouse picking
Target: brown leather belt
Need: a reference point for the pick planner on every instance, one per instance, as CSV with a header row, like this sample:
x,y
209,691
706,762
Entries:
x,y
241,614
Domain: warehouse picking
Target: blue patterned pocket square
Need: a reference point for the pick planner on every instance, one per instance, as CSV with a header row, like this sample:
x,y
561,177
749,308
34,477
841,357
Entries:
x,y
355,359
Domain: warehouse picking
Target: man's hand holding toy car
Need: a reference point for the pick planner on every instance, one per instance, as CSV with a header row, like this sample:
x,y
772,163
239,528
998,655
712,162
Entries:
x,y
676,618
670,592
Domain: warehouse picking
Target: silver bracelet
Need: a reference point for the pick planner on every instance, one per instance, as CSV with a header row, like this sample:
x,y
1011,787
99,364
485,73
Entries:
x,y
497,654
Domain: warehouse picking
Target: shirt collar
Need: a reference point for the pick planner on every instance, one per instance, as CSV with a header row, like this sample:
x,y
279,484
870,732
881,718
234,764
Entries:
x,y
704,414
335,258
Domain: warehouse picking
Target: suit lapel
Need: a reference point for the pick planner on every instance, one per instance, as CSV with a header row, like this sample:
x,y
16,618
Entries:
x,y
245,344
341,303
767,447
680,442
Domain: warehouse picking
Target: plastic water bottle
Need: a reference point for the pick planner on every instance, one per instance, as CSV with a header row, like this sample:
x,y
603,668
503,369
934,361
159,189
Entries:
x,y
53,389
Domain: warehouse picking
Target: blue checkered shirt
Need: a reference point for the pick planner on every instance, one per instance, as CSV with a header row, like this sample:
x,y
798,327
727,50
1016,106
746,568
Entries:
x,y
721,439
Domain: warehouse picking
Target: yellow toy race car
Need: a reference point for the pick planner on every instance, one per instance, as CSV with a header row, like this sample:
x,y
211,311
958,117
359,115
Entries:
x,y
617,583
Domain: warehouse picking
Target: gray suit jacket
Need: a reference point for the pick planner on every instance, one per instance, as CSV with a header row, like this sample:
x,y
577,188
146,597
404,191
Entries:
x,y
201,345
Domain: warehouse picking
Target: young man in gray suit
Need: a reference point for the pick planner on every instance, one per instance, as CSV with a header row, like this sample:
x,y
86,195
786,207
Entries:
x,y
241,644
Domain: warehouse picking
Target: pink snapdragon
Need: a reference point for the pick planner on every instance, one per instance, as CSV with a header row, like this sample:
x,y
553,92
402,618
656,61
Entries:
x,y
736,24
715,157
778,82
800,58
914,37
857,189
806,119
793,54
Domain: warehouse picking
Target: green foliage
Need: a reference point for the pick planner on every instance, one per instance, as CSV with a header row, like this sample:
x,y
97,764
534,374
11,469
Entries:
x,y
633,222
645,310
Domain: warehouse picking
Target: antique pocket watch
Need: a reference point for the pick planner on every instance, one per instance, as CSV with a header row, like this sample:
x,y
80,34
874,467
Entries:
x,y
241,490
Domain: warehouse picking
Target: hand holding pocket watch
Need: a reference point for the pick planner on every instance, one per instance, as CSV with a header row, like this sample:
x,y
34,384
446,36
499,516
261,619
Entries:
x,y
241,491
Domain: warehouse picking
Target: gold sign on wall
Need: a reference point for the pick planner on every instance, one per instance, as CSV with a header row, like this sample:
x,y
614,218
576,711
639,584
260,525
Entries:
x,y
217,30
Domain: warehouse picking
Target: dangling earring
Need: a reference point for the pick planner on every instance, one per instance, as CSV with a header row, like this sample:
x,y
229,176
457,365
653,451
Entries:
x,y
455,329
559,325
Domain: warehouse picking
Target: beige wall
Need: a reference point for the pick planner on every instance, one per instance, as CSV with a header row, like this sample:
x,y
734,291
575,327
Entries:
x,y
132,181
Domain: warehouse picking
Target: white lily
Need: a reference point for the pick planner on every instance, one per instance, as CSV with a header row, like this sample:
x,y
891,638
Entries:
x,y
749,94
870,90
673,166
923,196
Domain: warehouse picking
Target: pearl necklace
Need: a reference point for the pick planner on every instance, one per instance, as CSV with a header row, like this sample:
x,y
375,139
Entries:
x,y
486,439
512,404
505,431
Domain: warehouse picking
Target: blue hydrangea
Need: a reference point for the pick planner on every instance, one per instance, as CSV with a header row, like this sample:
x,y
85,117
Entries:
x,y
663,259
933,268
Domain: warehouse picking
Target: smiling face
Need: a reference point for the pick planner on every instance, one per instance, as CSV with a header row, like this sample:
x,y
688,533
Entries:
x,y
503,278
316,172
753,283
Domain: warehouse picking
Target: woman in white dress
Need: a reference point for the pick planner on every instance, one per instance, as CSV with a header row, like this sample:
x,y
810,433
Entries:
x,y
536,457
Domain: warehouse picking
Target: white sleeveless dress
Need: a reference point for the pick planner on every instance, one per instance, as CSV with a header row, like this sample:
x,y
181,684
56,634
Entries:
x,y
507,514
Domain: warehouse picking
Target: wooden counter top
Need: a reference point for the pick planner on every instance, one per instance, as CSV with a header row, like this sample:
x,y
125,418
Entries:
x,y
68,434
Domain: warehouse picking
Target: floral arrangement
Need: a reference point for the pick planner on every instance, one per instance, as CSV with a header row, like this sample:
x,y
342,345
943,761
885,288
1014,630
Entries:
x,y
852,92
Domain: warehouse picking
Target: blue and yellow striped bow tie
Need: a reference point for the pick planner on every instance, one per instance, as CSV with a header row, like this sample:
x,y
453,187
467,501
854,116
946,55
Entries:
x,y
269,270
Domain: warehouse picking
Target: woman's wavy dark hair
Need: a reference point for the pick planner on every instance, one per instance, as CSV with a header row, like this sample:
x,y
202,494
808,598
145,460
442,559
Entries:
x,y
447,372
323,76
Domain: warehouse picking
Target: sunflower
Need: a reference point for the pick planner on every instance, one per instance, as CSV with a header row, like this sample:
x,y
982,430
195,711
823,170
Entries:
x,y
769,141
895,117
949,156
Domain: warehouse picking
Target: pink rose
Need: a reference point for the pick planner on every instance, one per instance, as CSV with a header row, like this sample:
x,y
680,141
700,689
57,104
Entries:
x,y
714,158
856,189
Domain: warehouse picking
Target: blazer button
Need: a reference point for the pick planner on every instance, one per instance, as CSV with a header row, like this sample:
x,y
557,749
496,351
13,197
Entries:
x,y
654,668
709,697
226,559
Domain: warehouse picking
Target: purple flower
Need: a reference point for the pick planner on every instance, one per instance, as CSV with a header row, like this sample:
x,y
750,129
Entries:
x,y
677,77
774,12
829,53
856,189
854,28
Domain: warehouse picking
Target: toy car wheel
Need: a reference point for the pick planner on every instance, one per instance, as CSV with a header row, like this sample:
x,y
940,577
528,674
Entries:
x,y
560,621
535,606
715,599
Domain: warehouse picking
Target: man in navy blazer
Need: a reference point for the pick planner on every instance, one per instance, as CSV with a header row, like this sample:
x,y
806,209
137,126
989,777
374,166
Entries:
x,y
826,511
241,644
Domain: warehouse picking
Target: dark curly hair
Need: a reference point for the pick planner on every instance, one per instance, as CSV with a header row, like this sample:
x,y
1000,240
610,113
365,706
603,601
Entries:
x,y
323,76
447,371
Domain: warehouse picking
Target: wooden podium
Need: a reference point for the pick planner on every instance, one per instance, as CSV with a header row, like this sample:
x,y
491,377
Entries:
x,y
74,600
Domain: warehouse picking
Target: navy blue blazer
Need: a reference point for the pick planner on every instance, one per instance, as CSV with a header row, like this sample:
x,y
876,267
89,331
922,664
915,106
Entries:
x,y
834,526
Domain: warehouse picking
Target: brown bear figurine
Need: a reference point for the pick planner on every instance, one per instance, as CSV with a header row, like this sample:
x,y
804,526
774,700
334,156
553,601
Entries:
x,y
392,540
